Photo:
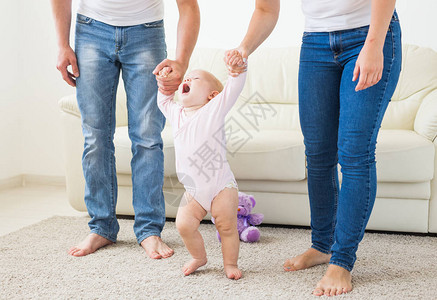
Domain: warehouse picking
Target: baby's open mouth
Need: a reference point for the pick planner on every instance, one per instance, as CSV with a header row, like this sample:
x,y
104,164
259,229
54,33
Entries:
x,y
185,88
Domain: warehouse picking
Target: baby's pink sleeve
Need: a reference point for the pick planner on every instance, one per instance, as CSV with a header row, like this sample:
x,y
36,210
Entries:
x,y
167,106
231,91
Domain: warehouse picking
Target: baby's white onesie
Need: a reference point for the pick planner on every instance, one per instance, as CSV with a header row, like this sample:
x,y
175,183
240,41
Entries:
x,y
200,142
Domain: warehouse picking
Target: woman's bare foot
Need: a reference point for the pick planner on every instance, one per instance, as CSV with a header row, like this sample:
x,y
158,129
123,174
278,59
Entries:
x,y
156,248
336,281
308,259
232,272
193,265
89,245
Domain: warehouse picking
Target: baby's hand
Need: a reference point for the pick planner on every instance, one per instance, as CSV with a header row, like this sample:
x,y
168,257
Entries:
x,y
164,72
235,61
234,58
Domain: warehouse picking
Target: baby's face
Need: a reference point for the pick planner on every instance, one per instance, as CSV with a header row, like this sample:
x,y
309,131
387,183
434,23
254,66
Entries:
x,y
196,89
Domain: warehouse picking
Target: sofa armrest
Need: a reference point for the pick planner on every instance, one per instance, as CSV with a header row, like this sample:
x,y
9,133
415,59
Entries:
x,y
426,117
432,219
69,105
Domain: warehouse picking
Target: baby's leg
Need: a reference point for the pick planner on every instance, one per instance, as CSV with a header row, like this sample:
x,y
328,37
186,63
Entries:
x,y
224,210
188,218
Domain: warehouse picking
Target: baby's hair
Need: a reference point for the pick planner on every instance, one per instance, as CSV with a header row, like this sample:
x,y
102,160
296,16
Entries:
x,y
216,84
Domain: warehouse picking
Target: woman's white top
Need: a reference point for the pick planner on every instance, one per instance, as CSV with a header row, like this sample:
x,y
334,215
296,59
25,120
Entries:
x,y
122,12
333,15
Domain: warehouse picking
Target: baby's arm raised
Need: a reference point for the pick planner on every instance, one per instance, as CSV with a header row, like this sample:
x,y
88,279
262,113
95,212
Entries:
x,y
231,91
167,105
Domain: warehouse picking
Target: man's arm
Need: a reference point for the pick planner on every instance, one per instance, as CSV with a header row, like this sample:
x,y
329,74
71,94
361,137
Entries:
x,y
66,56
263,21
370,62
187,33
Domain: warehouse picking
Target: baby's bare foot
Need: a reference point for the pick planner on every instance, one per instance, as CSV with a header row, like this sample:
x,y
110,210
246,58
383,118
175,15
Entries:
x,y
336,281
156,248
89,245
232,272
308,259
193,265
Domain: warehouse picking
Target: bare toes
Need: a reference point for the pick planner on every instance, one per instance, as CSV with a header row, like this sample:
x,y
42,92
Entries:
x,y
168,253
187,271
318,292
238,275
74,251
333,292
288,266
79,252
154,255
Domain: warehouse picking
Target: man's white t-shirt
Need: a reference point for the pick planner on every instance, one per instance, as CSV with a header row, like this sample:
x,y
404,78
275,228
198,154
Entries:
x,y
333,15
122,12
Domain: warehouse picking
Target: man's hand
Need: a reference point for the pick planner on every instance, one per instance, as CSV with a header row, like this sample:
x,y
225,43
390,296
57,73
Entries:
x,y
368,67
236,61
170,83
67,57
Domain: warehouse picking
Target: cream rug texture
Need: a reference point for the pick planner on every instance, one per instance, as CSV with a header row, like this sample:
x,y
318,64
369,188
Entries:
x,y
34,265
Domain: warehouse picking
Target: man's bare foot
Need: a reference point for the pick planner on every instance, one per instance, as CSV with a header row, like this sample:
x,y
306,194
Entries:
x,y
308,259
156,248
232,272
336,281
89,245
193,265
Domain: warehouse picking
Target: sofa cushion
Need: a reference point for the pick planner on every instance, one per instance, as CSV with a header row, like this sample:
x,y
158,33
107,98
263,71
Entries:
x,y
268,155
279,155
263,155
404,156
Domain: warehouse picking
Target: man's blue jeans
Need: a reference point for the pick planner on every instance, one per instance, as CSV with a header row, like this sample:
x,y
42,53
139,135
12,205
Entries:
x,y
102,52
341,125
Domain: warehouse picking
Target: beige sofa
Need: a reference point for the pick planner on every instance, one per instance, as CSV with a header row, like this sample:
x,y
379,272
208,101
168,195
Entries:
x,y
266,151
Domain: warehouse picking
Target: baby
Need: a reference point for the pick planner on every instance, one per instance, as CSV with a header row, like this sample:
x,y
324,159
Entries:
x,y
198,124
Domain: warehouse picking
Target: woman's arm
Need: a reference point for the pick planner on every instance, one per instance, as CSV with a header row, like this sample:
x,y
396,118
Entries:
x,y
370,62
263,21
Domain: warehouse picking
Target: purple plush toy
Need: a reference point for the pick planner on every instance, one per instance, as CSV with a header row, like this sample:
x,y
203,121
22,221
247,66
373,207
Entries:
x,y
246,220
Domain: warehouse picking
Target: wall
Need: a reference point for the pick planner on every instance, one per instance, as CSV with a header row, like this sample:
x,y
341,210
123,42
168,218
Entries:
x,y
225,22
31,86
10,129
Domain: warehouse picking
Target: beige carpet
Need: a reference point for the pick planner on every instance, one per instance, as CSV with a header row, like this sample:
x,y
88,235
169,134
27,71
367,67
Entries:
x,y
34,264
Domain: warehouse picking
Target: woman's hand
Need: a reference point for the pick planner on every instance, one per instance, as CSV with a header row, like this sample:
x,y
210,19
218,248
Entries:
x,y
236,61
368,67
